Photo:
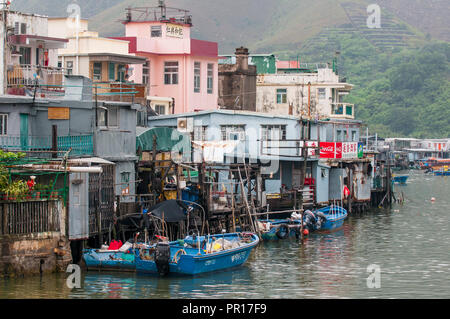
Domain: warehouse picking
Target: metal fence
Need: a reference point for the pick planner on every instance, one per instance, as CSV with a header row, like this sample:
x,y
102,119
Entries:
x,y
81,145
30,217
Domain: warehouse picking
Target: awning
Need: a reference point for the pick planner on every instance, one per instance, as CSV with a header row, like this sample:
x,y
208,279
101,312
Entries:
x,y
160,98
27,39
167,140
91,160
116,58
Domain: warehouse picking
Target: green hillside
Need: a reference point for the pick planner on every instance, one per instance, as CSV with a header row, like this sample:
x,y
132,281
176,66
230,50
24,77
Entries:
x,y
400,72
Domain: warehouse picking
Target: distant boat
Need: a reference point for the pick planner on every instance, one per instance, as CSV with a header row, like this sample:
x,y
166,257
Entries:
x,y
442,172
400,179
197,255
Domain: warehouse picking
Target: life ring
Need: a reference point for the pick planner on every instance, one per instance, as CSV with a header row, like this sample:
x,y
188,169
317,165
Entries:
x,y
175,259
282,231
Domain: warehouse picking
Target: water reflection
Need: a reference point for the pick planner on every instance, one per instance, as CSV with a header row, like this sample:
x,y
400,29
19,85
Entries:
x,y
409,243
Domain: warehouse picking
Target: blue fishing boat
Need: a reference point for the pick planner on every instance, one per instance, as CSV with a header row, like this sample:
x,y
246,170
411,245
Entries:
x,y
325,219
122,259
196,254
400,179
442,172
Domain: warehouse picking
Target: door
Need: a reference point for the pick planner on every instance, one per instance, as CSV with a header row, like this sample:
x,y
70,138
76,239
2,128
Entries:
x,y
24,131
78,206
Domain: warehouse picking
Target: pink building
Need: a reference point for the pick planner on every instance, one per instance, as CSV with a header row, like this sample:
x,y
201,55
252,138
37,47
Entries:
x,y
181,72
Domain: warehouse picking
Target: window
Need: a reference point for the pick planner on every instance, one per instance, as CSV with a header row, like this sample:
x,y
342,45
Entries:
x,y
23,28
69,67
354,136
160,109
16,28
146,73
156,31
3,124
108,116
113,116
339,136
25,56
197,73
281,96
111,71
200,133
273,132
121,71
170,72
210,84
233,132
322,94
97,76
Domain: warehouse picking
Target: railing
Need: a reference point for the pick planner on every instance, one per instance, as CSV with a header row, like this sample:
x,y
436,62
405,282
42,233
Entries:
x,y
288,148
120,92
30,217
81,145
344,110
27,75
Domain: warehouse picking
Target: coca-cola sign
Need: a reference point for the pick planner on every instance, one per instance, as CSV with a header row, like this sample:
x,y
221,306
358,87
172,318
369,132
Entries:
x,y
330,150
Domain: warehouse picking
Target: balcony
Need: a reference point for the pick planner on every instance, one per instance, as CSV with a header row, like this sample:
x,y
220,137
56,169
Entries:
x,y
41,146
343,110
120,92
23,77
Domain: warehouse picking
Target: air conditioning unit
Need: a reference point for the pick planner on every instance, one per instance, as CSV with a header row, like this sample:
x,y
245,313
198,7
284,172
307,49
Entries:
x,y
185,125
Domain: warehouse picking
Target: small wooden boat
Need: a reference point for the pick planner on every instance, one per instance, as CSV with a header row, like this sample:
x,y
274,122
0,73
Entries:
x,y
119,260
274,229
400,179
197,254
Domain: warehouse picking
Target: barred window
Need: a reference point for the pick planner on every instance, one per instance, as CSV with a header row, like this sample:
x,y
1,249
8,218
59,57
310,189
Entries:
x,y
273,132
197,74
233,132
3,124
210,85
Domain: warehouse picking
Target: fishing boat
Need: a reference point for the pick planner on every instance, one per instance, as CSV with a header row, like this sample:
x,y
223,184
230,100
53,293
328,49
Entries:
x,y
400,179
325,219
442,172
274,229
122,259
196,254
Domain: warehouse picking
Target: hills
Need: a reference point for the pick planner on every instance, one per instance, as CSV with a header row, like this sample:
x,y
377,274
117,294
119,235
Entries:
x,y
400,71
264,25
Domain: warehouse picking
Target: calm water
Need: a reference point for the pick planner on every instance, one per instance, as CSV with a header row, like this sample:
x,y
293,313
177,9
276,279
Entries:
x,y
410,243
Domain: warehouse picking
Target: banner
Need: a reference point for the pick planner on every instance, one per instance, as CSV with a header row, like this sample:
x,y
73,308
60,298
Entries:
x,y
360,150
350,150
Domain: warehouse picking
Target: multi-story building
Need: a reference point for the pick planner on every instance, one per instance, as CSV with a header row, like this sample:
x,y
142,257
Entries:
x,y
181,72
313,92
29,54
105,61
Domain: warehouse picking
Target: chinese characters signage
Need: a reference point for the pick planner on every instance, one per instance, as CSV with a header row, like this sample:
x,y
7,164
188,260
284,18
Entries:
x,y
175,31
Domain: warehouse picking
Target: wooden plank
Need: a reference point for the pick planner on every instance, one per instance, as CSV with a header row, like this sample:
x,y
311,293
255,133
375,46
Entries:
x,y
58,113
